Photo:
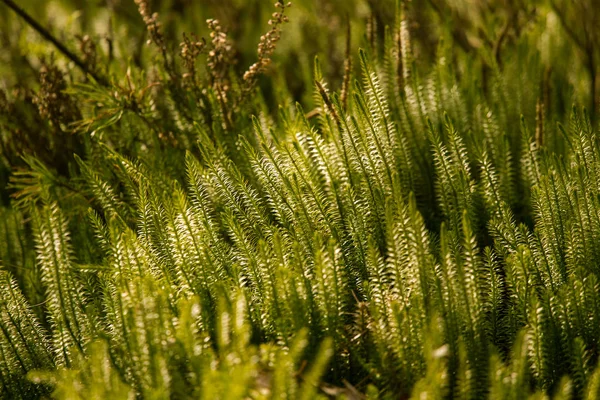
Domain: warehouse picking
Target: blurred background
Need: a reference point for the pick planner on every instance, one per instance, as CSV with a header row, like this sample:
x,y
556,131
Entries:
x,y
489,32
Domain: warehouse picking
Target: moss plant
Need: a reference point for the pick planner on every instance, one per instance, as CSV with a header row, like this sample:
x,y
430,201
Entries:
x,y
180,222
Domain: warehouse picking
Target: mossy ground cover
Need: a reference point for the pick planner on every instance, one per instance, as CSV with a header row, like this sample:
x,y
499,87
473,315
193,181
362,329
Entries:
x,y
325,199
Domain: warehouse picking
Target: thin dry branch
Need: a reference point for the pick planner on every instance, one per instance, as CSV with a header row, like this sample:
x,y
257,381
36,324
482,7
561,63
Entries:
x,y
49,37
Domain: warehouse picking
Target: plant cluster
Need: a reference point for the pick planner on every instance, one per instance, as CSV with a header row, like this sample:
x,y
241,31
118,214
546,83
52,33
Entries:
x,y
424,232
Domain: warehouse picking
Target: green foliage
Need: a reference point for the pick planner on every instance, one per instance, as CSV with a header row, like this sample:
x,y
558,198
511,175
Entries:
x,y
183,229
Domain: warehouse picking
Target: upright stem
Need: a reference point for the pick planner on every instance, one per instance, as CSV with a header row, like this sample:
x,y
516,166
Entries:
x,y
49,37
593,83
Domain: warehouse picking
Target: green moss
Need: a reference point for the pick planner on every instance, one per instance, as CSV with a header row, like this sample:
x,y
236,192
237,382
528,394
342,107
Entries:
x,y
174,230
